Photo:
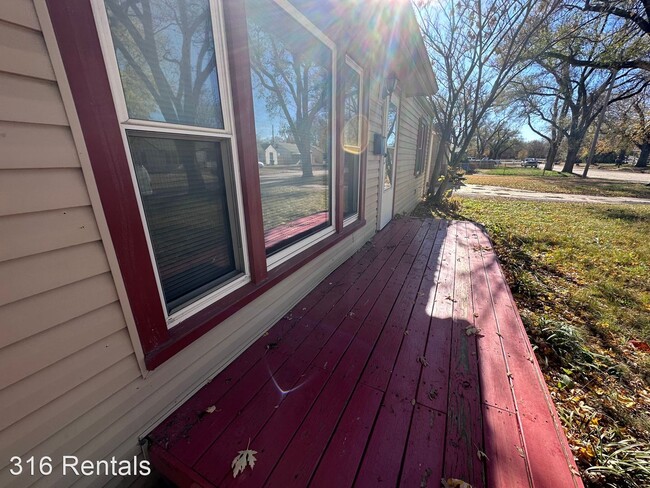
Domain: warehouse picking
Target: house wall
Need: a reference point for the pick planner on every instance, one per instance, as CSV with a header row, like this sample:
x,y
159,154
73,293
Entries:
x,y
72,381
409,189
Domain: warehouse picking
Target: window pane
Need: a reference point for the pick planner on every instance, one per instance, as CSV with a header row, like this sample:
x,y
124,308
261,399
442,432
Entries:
x,y
165,55
391,142
351,140
183,190
292,90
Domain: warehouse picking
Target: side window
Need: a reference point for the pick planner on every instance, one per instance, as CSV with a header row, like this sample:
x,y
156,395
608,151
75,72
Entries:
x,y
354,132
292,72
422,146
166,62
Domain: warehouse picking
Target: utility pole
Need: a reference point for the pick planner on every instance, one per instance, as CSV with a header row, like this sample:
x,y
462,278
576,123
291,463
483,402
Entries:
x,y
601,117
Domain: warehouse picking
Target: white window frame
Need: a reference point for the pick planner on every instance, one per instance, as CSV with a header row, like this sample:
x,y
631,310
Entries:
x,y
282,256
352,64
227,134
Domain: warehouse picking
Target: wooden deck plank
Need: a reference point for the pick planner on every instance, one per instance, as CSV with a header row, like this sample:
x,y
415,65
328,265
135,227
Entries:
x,y
545,445
381,365
464,436
301,458
268,426
341,460
288,333
493,369
433,390
355,305
425,449
310,394
506,463
401,362
214,463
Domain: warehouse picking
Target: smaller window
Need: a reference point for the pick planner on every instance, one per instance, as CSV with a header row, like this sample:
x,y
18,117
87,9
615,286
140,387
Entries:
x,y
422,146
354,138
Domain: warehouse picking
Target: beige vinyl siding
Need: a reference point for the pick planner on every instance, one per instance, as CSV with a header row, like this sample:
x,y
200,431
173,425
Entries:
x,y
408,187
73,383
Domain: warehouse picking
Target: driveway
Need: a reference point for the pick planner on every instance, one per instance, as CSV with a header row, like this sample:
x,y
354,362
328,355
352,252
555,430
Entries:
x,y
610,174
486,191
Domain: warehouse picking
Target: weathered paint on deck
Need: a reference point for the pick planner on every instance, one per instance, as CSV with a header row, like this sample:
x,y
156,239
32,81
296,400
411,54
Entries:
x,y
376,379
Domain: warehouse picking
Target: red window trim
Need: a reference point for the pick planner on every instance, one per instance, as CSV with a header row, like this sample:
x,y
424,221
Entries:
x,y
78,42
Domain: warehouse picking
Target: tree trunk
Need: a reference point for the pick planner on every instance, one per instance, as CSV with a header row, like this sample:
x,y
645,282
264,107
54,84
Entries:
x,y
305,159
572,154
642,162
550,157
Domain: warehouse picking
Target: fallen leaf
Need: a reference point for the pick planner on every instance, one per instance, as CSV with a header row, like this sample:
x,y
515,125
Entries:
x,y
640,345
243,459
413,402
448,297
455,483
481,455
210,409
433,393
423,361
473,331
521,452
424,481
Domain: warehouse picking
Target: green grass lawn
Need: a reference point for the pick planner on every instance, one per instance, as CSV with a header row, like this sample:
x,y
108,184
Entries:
x,y
553,182
581,277
520,171
291,197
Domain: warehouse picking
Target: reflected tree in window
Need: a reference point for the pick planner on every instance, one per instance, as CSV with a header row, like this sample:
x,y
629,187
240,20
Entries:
x,y
292,73
166,58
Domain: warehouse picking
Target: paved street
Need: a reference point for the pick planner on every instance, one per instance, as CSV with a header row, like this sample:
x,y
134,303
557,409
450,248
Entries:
x,y
633,177
486,191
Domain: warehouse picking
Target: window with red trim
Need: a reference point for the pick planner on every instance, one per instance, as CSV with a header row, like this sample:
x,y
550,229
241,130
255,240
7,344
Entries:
x,y
164,93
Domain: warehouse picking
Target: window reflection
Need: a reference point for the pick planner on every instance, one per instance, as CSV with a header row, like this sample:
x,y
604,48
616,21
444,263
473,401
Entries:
x,y
391,143
185,202
292,92
351,140
166,58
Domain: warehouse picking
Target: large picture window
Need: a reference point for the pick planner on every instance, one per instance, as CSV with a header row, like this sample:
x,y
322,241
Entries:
x,y
169,92
292,72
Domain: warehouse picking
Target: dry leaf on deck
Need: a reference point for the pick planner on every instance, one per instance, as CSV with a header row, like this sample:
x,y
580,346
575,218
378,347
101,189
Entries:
x,y
473,331
454,483
210,409
243,459
481,455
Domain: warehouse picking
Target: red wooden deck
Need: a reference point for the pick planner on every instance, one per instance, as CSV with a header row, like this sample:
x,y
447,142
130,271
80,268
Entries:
x,y
376,379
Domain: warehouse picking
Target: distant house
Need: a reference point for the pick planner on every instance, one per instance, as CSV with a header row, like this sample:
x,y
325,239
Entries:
x,y
287,153
136,260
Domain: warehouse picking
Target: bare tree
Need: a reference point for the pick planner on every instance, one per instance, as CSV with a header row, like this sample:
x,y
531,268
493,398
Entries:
x,y
628,28
477,48
294,84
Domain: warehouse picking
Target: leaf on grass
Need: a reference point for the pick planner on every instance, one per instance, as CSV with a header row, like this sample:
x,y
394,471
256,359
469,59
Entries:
x,y
243,459
481,455
423,361
470,331
455,483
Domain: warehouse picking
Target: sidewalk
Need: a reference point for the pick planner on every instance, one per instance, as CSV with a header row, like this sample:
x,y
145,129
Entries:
x,y
486,191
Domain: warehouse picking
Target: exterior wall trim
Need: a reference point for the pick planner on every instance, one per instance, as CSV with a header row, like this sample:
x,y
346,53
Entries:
x,y
89,176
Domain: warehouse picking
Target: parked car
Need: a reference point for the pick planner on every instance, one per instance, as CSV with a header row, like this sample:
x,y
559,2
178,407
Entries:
x,y
530,163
